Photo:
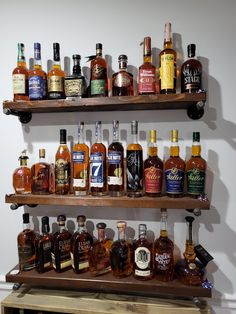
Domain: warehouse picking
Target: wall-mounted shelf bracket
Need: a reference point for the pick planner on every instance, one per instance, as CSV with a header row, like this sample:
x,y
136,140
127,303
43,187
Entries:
x,y
24,117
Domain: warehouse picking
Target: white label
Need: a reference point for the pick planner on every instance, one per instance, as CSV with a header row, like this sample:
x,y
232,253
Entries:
x,y
143,273
18,83
114,181
79,183
142,257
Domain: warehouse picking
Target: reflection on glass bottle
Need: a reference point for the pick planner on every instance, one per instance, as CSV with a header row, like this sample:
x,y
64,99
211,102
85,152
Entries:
x,y
22,176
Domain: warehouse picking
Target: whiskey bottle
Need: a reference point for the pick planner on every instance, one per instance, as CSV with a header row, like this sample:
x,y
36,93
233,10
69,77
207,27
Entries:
x,y
115,178
99,257
196,169
61,260
121,254
20,76
21,178
122,81
56,76
98,180
167,64
44,246
98,74
191,72
62,166
75,84
174,169
143,255
163,252
26,245
153,169
37,77
81,243
40,174
134,166
147,71
80,159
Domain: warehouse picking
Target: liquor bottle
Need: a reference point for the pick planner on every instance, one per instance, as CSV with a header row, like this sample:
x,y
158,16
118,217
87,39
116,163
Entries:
x,y
21,178
56,76
115,178
122,81
153,169
191,72
99,257
196,169
121,253
98,181
37,77
143,255
61,260
98,74
81,243
174,169
20,76
167,62
62,166
26,245
164,252
75,84
40,175
134,166
44,248
80,159
187,269
147,71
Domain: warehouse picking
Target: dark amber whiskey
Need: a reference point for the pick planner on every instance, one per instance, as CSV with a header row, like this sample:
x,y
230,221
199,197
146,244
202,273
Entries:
x,y
122,81
21,178
40,174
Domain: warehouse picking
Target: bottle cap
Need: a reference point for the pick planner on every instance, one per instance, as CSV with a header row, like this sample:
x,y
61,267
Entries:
x,y
56,46
142,227
76,57
81,220
45,220
191,50
147,46
56,51
98,46
196,136
101,225
121,224
153,136
174,136
61,218
37,46
134,127
189,219
25,218
42,153
63,136
122,58
98,49
167,34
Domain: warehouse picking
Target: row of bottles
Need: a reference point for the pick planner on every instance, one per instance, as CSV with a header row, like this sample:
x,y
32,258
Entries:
x,y
142,258
36,84
99,170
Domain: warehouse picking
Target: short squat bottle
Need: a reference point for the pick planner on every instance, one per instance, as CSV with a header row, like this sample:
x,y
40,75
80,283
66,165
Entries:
x,y
122,81
22,176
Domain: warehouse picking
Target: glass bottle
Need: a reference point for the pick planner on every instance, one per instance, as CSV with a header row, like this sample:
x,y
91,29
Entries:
x,y
61,247
167,64
188,270
174,169
121,253
143,255
40,175
81,243
164,252
21,178
20,76
134,167
98,180
122,81
98,74
37,77
56,76
196,169
147,71
153,169
80,159
99,258
115,178
75,84
191,72
26,245
44,248
62,166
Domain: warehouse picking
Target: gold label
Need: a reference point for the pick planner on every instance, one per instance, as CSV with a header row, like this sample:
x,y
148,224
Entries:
x,y
74,87
55,83
122,80
167,71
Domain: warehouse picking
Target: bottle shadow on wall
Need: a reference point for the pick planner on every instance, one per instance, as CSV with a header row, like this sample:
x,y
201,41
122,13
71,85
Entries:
x,y
178,47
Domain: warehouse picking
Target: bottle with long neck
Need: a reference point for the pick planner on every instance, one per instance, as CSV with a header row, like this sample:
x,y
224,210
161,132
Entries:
x,y
20,76
167,78
122,81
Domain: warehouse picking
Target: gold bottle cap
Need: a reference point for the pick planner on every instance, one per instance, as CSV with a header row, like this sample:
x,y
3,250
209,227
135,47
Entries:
x,y
153,136
174,136
41,153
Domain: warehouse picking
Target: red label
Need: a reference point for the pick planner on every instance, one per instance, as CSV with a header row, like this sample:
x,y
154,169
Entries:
x,y
153,180
147,82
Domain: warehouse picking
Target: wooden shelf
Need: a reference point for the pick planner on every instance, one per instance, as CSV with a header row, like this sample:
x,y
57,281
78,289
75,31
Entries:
x,y
106,283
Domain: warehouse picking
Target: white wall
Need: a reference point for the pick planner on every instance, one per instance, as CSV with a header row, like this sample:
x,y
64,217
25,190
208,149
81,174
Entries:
x,y
121,26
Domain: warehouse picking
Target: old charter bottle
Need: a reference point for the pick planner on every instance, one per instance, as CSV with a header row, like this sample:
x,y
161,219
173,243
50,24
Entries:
x,y
122,81
21,178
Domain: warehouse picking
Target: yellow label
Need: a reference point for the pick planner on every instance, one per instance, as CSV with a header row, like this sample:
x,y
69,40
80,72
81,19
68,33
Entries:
x,y
55,83
167,71
18,83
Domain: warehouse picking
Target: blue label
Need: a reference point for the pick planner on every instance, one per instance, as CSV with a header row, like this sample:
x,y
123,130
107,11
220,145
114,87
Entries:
x,y
78,157
114,158
36,87
96,169
174,180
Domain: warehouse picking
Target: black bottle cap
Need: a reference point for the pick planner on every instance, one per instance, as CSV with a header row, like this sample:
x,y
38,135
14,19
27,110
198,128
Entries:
x,y
76,57
61,218
101,225
196,136
98,46
191,50
56,52
63,136
189,219
202,254
45,224
81,220
123,58
25,218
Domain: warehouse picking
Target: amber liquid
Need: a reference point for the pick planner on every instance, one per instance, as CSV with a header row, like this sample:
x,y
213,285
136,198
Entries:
x,y
141,246
191,76
22,70
26,249
166,75
40,174
122,84
56,79
62,170
115,179
44,253
147,84
22,180
98,77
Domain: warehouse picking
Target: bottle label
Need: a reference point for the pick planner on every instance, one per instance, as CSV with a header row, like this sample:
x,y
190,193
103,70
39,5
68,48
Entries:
x,y
153,180
26,253
192,78
40,178
55,83
74,87
36,87
174,180
98,87
19,85
147,81
47,256
115,174
142,258
195,181
62,171
96,170
134,170
78,157
167,71
122,80
163,261
64,254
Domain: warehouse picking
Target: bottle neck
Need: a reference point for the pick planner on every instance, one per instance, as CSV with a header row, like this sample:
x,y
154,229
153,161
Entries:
x,y
62,228
45,229
152,149
76,67
26,225
98,133
81,135
168,44
174,149
121,234
147,58
81,228
134,138
42,159
23,162
21,57
37,59
115,132
99,52
196,149
101,235
163,231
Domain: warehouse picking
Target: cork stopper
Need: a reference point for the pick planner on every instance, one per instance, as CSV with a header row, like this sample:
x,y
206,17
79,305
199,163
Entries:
x,y
42,153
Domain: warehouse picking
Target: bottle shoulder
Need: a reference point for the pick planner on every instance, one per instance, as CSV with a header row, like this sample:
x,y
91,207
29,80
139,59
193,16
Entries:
x,y
98,147
23,170
81,147
191,63
116,146
175,161
134,146
196,162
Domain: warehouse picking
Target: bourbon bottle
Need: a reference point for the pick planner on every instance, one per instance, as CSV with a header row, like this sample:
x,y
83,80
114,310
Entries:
x,y
40,174
122,81
21,178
